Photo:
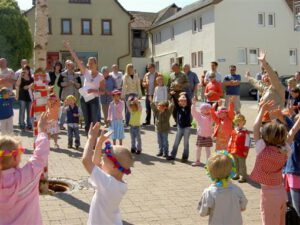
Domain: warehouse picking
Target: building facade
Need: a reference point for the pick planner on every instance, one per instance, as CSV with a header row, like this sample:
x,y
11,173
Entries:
x,y
229,32
94,28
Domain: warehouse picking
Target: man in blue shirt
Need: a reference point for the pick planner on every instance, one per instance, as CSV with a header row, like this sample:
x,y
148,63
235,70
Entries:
x,y
193,81
232,83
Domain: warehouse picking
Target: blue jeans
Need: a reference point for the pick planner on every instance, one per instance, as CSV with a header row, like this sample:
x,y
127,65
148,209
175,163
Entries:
x,y
91,112
136,141
163,144
75,131
295,199
127,114
185,133
25,106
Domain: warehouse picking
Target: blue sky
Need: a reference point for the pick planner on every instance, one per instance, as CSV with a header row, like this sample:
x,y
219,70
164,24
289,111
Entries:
x,y
137,5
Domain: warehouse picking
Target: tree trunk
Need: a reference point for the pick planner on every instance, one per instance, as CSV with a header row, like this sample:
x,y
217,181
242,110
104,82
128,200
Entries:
x,y
40,54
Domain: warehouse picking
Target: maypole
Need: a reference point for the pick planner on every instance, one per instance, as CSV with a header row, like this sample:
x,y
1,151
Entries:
x,y
40,91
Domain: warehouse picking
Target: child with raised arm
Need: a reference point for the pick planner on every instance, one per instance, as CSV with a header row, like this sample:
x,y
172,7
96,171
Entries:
x,y
106,172
204,130
222,201
19,186
162,112
272,151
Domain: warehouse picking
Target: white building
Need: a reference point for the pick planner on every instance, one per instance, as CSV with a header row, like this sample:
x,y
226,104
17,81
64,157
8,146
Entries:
x,y
229,32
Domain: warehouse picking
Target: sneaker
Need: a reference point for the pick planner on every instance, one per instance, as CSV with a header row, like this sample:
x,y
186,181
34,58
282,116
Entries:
x,y
70,146
77,147
133,150
242,180
236,177
146,124
184,160
138,152
29,128
175,125
166,155
170,158
159,154
197,163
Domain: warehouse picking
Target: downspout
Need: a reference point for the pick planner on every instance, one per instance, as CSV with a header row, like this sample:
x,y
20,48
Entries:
x,y
152,46
129,44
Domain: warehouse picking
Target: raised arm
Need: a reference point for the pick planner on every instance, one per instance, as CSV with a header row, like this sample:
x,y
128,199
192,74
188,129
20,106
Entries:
x,y
214,116
89,146
293,131
257,124
76,59
98,149
231,113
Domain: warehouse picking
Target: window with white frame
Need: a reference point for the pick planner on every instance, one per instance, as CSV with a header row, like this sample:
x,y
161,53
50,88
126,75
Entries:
x,y
194,25
172,33
261,19
200,25
200,59
242,56
271,20
157,38
172,61
253,54
293,56
194,59
157,66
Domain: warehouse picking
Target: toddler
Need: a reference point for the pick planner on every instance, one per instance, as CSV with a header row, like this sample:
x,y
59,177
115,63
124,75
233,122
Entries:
x,y
161,91
135,110
53,114
223,124
73,113
115,117
222,201
19,186
204,130
238,146
162,113
272,151
106,172
6,111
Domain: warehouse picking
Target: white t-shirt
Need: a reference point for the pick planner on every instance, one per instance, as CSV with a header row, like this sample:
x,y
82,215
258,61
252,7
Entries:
x,y
7,73
160,94
106,200
118,77
218,76
91,82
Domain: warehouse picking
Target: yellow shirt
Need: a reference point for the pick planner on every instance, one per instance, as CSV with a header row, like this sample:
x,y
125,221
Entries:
x,y
135,118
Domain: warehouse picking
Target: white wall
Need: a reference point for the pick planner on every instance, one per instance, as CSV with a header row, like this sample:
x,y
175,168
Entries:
x,y
237,26
185,41
140,64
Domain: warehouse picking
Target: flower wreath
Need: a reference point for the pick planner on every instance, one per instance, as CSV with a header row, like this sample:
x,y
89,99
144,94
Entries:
x,y
107,151
223,182
20,150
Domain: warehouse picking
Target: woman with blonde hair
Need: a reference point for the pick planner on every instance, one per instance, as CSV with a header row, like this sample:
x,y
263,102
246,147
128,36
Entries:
x,y
131,88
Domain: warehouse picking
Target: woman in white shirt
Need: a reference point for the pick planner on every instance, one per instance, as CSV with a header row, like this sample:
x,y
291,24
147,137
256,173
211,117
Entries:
x,y
131,87
93,82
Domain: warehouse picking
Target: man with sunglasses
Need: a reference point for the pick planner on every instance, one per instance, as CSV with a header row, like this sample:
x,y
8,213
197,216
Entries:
x,y
232,83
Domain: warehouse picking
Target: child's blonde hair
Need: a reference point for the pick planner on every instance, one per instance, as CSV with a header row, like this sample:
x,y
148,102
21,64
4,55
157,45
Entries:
x,y
71,97
239,118
7,143
123,156
274,133
219,166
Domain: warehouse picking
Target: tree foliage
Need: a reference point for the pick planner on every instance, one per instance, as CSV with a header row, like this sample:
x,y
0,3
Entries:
x,y
15,37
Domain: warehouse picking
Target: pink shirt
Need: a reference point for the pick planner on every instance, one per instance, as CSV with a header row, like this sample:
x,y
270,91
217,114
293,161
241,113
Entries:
x,y
19,193
204,124
115,111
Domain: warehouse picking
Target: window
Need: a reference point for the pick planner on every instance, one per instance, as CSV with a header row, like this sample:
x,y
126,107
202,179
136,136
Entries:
x,y
137,34
86,26
242,56
49,26
200,24
194,25
157,66
80,1
271,19
172,33
157,38
66,26
194,59
293,56
106,27
172,61
253,54
261,19
200,59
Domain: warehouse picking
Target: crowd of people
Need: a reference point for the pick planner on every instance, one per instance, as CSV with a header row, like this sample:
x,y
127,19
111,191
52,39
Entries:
x,y
86,91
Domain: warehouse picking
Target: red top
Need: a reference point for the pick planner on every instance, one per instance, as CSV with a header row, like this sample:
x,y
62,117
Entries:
x,y
239,142
268,166
216,87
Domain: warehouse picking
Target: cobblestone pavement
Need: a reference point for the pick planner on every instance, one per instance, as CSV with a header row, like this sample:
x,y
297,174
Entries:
x,y
160,192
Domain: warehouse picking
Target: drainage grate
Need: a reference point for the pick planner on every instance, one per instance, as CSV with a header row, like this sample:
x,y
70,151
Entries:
x,y
58,185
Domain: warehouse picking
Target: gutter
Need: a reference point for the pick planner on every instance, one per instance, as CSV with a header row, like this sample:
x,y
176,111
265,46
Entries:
x,y
129,44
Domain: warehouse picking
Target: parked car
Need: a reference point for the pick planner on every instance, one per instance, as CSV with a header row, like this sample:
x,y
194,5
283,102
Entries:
x,y
253,91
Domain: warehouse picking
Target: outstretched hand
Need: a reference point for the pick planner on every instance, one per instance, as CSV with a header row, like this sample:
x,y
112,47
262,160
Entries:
x,y
43,123
94,130
266,105
103,138
262,56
